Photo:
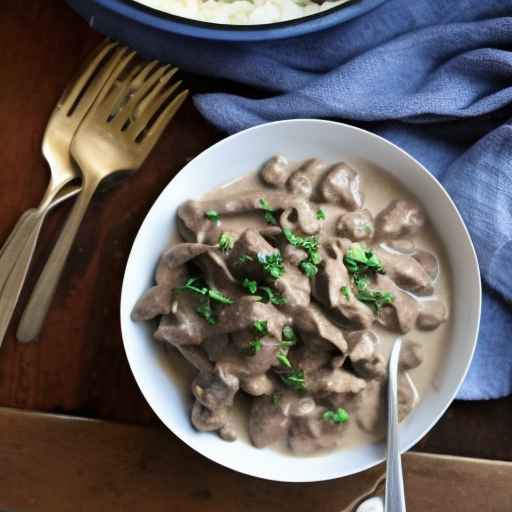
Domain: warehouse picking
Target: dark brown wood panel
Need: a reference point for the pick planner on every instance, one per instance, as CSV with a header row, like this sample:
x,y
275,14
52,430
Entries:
x,y
50,463
79,366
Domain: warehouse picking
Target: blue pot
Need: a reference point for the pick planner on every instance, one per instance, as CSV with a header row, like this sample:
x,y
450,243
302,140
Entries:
x,y
147,30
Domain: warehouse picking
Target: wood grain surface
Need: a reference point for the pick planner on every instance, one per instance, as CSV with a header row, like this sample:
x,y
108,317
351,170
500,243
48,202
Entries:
x,y
79,366
55,463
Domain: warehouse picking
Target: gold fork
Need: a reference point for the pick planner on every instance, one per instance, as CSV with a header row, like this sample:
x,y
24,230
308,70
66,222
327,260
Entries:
x,y
117,135
62,125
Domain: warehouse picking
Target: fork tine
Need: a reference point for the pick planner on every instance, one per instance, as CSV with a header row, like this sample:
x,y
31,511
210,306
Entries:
x,y
127,112
147,112
122,60
148,99
141,77
115,97
70,95
153,134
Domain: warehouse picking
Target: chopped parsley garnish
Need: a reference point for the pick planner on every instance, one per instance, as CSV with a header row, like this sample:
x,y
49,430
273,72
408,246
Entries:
x,y
359,260
272,264
276,398
250,285
269,212
196,285
219,296
310,244
255,346
261,327
338,416
289,338
294,380
368,229
308,268
346,292
212,215
269,295
283,359
375,298
226,242
205,311
244,258
320,214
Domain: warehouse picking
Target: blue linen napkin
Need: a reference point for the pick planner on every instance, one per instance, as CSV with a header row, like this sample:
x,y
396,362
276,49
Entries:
x,y
434,77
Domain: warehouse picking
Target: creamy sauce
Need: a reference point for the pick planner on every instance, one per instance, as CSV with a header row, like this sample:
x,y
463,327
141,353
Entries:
x,y
379,188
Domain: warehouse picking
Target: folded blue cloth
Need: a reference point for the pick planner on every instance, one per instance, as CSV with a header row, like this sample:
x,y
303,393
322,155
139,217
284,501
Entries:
x,y
434,77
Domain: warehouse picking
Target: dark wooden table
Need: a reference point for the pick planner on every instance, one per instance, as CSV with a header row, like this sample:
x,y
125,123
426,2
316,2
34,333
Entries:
x,y
79,366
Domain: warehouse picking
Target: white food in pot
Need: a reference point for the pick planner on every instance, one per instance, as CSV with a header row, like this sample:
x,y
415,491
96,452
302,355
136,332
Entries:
x,y
241,12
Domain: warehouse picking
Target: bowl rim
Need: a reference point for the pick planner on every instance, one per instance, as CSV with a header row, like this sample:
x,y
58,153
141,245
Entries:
x,y
124,319
165,21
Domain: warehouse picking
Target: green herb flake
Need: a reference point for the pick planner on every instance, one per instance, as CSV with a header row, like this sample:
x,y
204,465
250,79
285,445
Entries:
x,y
250,285
205,311
359,260
310,245
294,380
261,327
255,346
368,229
218,296
289,338
269,295
375,298
194,285
320,214
308,268
276,399
283,359
346,292
226,242
272,264
244,259
338,416
269,212
212,215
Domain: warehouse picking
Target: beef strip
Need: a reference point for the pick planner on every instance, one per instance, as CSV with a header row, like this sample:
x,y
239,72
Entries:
x,y
311,433
356,226
275,172
432,313
215,389
401,315
267,422
341,186
401,218
406,272
327,289
366,362
304,181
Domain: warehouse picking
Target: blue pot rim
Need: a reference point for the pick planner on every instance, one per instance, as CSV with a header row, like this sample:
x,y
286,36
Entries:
x,y
243,33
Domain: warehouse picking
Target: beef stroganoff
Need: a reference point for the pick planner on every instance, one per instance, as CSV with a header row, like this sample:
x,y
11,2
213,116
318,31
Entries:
x,y
286,291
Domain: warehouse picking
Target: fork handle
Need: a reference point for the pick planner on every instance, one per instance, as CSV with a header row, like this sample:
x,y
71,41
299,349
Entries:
x,y
14,244
16,279
37,308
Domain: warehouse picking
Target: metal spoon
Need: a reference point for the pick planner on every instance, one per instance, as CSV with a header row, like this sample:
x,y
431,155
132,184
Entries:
x,y
394,497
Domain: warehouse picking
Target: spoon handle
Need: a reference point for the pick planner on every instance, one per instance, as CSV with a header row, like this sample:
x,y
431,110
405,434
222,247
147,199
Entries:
x,y
395,498
37,308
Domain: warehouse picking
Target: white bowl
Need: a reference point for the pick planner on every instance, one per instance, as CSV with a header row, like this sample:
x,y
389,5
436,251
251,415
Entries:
x,y
231,158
